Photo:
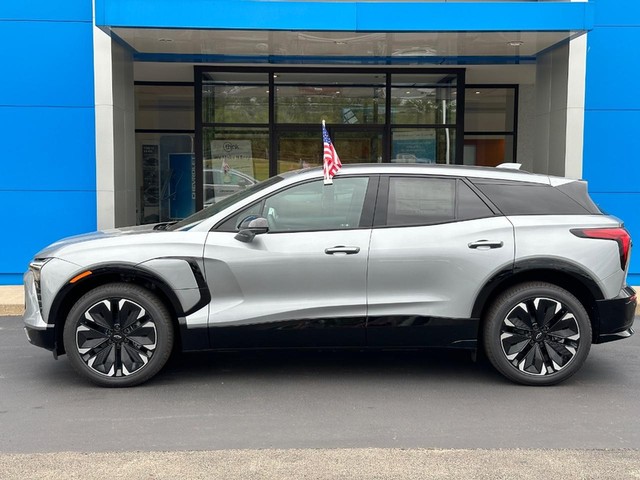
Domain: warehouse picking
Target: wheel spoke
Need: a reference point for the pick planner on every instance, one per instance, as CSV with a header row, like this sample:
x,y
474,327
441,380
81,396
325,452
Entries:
x,y
533,362
89,338
129,313
115,311
100,314
545,310
566,327
559,353
104,360
132,359
513,343
145,335
519,318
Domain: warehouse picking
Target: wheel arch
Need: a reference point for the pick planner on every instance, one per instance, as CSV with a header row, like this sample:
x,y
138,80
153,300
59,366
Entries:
x,y
113,273
563,274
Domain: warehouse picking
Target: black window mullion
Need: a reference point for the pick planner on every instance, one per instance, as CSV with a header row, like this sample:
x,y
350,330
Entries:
x,y
387,126
273,143
197,142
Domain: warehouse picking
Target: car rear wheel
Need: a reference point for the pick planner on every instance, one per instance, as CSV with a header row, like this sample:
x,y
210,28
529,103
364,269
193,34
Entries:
x,y
118,335
537,333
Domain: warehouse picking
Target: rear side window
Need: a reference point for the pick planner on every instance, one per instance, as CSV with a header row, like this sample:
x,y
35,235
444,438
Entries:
x,y
424,201
519,198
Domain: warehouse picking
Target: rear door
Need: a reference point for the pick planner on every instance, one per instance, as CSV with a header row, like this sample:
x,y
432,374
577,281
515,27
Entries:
x,y
434,244
304,282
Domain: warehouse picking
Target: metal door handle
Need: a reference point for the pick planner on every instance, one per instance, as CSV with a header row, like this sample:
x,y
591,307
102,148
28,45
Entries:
x,y
342,249
486,244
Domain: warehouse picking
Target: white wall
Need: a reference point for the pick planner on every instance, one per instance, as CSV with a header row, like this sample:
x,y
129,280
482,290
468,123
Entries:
x,y
559,120
115,133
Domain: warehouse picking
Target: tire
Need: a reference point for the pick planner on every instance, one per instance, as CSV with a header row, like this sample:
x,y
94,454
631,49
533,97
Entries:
x,y
120,350
537,333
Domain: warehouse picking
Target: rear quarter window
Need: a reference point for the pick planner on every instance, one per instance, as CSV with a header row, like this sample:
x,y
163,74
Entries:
x,y
519,198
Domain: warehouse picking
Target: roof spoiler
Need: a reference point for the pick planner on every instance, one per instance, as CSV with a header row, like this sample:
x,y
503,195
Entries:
x,y
510,166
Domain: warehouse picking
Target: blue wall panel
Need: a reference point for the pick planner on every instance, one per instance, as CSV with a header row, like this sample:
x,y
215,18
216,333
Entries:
x,y
617,13
612,73
51,66
47,120
611,162
346,15
612,115
38,219
48,148
62,10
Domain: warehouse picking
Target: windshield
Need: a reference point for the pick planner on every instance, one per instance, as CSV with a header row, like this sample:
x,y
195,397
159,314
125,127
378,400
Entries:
x,y
224,203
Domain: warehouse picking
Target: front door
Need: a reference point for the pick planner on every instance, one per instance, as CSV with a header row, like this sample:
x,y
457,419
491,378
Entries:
x,y
304,282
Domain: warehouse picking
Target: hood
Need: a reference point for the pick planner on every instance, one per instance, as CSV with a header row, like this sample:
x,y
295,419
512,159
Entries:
x,y
51,250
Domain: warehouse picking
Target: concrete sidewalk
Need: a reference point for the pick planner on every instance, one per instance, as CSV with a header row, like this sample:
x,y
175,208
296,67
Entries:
x,y
12,300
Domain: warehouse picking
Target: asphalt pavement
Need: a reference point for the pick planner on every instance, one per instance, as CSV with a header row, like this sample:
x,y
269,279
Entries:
x,y
322,414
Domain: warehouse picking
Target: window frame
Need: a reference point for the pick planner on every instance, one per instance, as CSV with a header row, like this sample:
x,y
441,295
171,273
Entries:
x,y
382,203
366,217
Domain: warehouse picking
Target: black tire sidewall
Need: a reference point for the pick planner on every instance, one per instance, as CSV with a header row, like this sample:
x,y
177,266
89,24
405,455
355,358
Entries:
x,y
507,301
155,309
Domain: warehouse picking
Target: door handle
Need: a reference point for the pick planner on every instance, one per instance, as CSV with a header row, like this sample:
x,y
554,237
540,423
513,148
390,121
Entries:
x,y
342,249
485,244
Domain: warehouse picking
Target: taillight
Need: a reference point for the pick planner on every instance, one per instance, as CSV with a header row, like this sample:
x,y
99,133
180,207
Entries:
x,y
619,235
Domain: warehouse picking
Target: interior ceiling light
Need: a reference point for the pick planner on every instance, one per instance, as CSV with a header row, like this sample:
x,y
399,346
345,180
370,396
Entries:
x,y
415,52
262,47
362,38
515,43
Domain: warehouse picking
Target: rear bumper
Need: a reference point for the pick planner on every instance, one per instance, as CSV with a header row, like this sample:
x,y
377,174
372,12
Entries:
x,y
616,316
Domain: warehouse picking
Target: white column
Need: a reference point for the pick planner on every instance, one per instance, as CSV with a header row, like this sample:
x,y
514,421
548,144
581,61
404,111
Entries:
x,y
105,165
115,133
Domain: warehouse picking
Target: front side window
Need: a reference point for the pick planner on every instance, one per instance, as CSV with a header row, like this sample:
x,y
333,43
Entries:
x,y
310,206
315,206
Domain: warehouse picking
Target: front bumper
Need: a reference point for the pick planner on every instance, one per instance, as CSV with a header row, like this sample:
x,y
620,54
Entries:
x,y
38,331
616,316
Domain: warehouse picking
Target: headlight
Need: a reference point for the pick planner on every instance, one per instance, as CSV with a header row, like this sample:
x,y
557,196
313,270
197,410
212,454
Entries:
x,y
36,266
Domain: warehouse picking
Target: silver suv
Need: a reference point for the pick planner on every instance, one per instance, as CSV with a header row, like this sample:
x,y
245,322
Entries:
x,y
524,266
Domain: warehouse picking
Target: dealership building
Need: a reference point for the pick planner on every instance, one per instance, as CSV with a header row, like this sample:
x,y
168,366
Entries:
x,y
123,112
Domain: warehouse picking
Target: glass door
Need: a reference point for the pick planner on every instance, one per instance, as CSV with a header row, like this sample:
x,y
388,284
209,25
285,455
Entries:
x,y
302,147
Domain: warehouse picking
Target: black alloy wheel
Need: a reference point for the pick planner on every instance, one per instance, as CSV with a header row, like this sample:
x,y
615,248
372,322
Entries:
x,y
537,334
118,335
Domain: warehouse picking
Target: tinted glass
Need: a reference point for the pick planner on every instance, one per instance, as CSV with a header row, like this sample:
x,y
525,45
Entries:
x,y
420,201
315,206
470,206
517,198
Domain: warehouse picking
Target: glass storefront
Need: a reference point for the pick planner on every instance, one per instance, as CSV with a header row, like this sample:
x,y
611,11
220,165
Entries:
x,y
198,143
490,124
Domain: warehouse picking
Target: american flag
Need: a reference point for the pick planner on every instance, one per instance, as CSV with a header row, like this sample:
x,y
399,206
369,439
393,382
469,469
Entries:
x,y
331,161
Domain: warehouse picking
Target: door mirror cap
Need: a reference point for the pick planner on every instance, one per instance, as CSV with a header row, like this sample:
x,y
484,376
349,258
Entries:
x,y
250,227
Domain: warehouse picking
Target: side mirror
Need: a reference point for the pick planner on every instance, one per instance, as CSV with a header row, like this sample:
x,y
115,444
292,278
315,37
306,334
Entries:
x,y
250,227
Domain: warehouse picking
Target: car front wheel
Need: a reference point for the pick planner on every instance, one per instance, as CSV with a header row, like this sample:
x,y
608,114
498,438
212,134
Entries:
x,y
537,333
118,335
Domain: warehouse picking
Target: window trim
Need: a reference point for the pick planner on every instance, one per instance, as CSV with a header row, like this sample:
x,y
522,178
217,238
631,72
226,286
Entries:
x,y
366,218
381,209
